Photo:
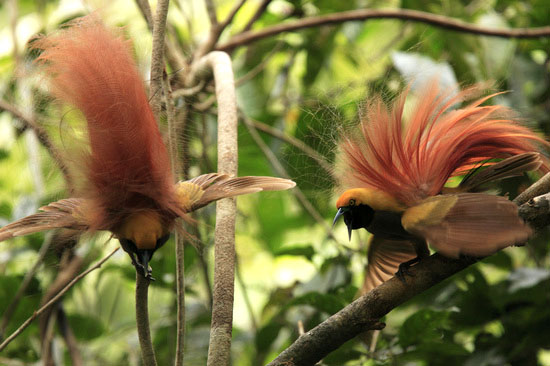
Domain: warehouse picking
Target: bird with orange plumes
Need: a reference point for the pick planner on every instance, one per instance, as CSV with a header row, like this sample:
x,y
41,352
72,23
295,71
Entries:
x,y
127,186
395,167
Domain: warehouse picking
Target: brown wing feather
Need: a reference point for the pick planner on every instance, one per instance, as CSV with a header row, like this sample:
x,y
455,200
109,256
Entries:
x,y
475,224
67,213
384,258
206,188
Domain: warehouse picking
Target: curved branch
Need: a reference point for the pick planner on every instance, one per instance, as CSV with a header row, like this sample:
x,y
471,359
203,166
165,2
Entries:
x,y
219,348
363,314
364,14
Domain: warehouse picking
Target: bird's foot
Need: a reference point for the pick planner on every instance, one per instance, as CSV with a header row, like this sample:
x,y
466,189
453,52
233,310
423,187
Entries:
x,y
404,269
147,273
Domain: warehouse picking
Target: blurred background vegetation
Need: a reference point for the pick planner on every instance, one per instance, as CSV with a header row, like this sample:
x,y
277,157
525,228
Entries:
x,y
295,89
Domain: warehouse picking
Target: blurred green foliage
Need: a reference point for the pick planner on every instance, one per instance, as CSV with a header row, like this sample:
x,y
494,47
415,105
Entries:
x,y
310,83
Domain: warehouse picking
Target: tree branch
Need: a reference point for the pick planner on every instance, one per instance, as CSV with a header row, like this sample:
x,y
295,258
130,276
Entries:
x,y
363,314
145,10
364,14
216,29
219,349
261,9
54,300
211,10
541,186
70,339
142,320
157,56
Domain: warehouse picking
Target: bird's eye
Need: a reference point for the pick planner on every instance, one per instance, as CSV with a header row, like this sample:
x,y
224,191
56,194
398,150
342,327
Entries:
x,y
162,240
352,202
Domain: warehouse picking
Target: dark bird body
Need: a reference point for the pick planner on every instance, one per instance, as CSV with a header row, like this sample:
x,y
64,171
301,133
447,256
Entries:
x,y
396,168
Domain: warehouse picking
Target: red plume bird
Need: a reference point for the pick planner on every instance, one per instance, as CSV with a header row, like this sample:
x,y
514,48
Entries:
x,y
397,167
128,187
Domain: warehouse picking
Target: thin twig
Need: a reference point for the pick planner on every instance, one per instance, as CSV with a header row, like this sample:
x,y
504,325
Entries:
x,y
173,52
42,137
238,5
211,10
145,9
261,9
54,300
7,316
178,237
70,339
157,56
281,171
364,14
204,105
219,349
187,92
246,298
180,293
216,31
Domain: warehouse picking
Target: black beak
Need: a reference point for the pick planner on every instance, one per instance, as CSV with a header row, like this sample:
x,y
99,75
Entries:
x,y
342,211
143,258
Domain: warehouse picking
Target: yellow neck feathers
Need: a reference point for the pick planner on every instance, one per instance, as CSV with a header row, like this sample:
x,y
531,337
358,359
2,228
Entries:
x,y
143,229
377,200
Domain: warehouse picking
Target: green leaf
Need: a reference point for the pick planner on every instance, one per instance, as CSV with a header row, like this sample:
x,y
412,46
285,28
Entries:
x,y
425,325
324,302
86,327
267,335
296,250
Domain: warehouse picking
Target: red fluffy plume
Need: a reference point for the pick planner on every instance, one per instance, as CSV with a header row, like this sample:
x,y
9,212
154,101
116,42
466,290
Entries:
x,y
413,159
128,167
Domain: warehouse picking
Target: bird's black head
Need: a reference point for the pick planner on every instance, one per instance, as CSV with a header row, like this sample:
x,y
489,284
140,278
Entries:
x,y
141,257
355,216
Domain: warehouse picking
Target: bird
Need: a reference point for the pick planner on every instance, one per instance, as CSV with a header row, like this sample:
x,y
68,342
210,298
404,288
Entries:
x,y
125,183
396,161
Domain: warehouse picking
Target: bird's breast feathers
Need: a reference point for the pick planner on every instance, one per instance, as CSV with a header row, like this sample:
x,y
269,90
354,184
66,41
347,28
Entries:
x,y
143,229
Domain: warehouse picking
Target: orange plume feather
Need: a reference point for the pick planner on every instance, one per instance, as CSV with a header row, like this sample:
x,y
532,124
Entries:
x,y
414,160
127,166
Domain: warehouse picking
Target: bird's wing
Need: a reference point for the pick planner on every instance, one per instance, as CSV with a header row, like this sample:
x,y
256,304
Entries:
x,y
474,224
384,258
200,191
68,213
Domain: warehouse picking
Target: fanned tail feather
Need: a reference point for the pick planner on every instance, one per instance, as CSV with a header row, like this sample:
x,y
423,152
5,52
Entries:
x,y
91,68
413,160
